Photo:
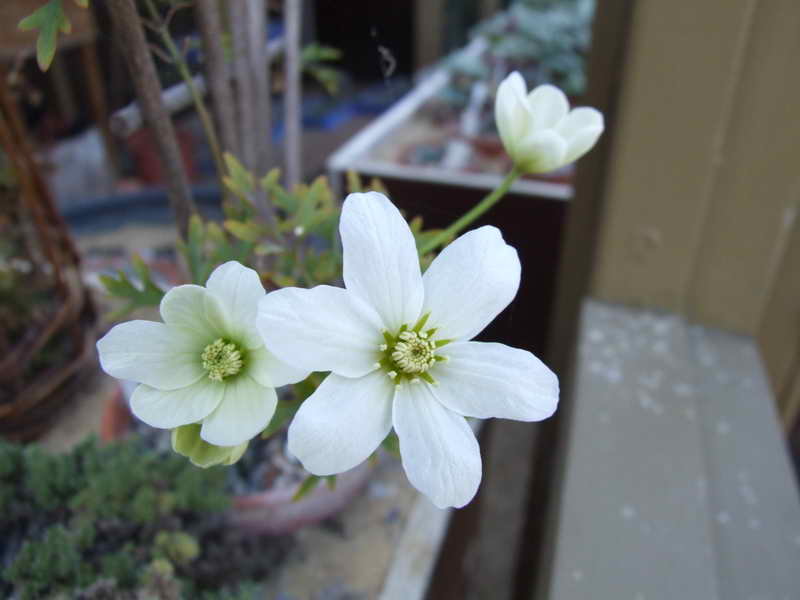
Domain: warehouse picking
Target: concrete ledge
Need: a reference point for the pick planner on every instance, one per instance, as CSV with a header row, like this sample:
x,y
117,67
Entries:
x,y
677,482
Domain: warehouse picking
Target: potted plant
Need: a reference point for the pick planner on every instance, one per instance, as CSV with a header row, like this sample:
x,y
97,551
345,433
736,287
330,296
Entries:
x,y
122,521
208,372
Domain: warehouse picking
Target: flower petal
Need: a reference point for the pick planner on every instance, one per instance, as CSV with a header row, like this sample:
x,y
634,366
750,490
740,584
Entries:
x,y
168,409
548,105
542,151
493,380
321,329
238,290
581,132
151,353
470,282
245,410
183,307
579,119
381,264
511,112
270,371
439,451
342,423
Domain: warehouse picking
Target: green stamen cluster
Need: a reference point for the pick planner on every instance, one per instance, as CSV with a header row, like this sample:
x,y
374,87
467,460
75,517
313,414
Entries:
x,y
221,359
410,353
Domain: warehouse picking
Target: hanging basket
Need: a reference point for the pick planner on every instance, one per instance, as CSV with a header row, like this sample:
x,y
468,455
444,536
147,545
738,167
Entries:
x,y
47,318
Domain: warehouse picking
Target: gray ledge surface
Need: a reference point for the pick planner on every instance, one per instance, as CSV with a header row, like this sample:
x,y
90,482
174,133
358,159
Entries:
x,y
677,481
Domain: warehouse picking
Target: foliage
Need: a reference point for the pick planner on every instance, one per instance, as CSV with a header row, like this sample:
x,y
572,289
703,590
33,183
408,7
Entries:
x,y
111,522
49,19
554,36
146,293
301,248
314,60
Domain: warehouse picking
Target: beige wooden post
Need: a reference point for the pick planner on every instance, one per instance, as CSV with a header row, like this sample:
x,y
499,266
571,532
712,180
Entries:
x,y
703,174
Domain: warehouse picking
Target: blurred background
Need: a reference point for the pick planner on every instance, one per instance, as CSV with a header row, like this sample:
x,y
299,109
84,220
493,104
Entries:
x,y
661,281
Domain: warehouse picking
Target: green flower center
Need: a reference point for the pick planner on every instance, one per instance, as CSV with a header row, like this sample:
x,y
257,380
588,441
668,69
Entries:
x,y
221,359
410,353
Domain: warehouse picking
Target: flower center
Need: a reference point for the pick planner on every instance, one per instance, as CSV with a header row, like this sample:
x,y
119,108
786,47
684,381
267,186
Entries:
x,y
221,359
410,353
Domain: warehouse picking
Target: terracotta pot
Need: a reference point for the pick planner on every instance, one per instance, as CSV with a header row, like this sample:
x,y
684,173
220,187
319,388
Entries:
x,y
271,511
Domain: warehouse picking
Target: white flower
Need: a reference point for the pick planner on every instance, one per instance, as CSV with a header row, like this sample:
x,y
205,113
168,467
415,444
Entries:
x,y
538,130
205,363
397,345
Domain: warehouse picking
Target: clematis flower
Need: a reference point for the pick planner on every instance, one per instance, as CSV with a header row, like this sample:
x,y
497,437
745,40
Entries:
x,y
205,364
538,129
398,346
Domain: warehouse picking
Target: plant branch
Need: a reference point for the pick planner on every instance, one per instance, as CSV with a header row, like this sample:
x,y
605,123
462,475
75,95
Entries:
x,y
217,73
476,211
183,68
128,28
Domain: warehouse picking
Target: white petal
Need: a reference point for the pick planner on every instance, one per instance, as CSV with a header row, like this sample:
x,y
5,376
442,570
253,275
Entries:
x,y
151,353
470,282
238,290
321,329
580,129
168,409
493,380
548,105
245,410
184,307
579,119
381,264
440,453
270,371
582,143
542,151
511,112
342,423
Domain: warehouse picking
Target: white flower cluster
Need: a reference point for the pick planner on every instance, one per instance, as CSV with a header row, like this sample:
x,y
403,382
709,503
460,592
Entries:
x,y
397,342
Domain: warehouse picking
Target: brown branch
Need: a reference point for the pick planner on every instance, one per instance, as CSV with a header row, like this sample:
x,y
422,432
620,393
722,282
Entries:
x,y
244,83
292,107
257,53
217,72
133,44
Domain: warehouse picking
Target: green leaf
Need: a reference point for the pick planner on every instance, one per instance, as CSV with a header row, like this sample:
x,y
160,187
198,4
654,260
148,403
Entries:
x,y
353,182
245,231
49,20
146,294
331,481
82,3
239,180
306,487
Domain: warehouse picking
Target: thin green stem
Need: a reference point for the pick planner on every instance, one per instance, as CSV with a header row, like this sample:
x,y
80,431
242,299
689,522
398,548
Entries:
x,y
183,70
476,211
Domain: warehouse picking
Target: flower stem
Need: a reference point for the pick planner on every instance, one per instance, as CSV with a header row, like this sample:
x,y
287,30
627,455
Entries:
x,y
183,69
476,211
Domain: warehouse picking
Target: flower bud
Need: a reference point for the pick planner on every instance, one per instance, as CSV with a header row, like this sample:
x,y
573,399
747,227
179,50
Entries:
x,y
538,129
186,441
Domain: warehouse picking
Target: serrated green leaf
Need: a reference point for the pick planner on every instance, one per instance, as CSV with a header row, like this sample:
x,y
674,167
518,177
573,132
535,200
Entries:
x,y
147,294
271,179
245,231
82,3
48,19
306,487
241,181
